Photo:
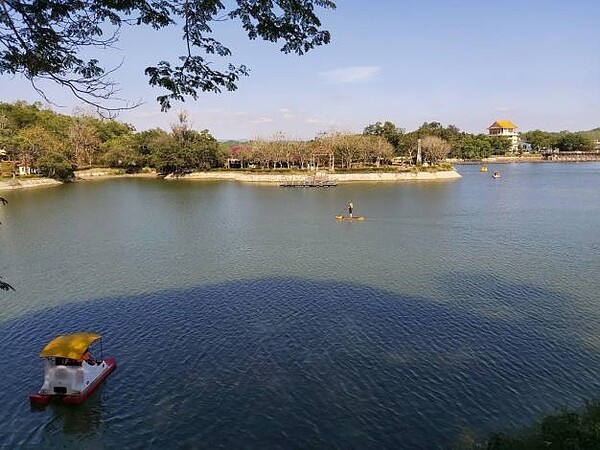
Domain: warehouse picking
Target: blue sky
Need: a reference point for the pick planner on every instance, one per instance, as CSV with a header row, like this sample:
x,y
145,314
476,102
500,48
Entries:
x,y
465,63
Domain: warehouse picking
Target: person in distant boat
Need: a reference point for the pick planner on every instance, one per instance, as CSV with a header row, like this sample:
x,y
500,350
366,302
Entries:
x,y
350,209
87,357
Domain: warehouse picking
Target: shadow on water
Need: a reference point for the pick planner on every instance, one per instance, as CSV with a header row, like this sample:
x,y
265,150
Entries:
x,y
292,363
75,420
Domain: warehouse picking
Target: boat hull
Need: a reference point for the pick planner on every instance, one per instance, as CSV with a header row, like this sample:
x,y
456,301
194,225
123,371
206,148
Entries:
x,y
349,219
75,399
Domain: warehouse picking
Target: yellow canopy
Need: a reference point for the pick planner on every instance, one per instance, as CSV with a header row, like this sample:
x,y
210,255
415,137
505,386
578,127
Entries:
x,y
72,346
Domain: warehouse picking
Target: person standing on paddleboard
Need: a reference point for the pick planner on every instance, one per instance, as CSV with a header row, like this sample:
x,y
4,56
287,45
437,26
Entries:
x,y
350,209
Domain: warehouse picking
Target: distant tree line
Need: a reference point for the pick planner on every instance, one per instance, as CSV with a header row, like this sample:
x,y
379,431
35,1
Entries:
x,y
56,145
477,146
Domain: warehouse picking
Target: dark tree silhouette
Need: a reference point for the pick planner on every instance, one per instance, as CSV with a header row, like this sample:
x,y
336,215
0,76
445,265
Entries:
x,y
61,40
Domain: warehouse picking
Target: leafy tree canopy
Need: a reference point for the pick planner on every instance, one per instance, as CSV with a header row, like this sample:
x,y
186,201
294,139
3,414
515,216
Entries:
x,y
388,130
50,39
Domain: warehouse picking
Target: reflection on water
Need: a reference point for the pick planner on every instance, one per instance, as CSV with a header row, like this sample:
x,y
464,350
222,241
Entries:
x,y
247,316
81,419
292,362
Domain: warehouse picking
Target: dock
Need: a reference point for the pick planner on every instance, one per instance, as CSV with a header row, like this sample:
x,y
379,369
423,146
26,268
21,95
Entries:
x,y
573,156
310,182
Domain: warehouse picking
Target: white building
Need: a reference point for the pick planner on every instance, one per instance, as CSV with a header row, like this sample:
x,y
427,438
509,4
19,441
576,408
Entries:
x,y
508,130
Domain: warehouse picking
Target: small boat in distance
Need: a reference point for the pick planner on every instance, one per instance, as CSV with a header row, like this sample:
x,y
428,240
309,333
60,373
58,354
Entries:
x,y
496,175
348,218
71,374
483,169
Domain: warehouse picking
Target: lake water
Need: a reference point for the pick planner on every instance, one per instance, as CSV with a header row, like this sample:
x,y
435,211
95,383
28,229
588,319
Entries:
x,y
246,316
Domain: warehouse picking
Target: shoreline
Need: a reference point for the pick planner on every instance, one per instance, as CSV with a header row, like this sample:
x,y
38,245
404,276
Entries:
x,y
28,183
371,177
277,178
244,177
240,175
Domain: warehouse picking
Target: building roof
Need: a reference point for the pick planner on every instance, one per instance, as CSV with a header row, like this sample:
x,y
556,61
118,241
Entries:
x,y
502,124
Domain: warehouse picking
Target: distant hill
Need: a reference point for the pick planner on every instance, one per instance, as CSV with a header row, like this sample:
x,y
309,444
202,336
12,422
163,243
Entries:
x,y
592,134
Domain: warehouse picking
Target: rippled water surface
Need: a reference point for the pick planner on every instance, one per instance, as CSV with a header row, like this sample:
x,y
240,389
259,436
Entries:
x,y
245,316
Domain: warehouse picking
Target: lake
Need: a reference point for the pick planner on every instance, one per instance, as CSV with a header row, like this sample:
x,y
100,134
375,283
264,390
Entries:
x,y
246,316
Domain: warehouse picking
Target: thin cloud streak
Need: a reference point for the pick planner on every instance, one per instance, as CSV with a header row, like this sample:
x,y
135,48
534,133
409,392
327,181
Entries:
x,y
357,74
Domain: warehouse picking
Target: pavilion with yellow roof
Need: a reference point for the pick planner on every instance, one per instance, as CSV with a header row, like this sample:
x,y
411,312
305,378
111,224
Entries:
x,y
506,129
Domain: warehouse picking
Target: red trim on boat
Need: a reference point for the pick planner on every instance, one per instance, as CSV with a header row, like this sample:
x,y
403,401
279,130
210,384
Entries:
x,y
44,399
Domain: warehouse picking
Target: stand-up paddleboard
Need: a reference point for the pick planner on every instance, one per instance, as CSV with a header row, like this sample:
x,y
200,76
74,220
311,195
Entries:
x,y
349,219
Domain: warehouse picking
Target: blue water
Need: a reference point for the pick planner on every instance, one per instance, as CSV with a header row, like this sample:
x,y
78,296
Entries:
x,y
245,316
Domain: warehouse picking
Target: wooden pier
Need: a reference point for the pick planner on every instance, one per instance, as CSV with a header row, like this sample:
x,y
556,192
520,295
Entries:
x,y
573,156
309,183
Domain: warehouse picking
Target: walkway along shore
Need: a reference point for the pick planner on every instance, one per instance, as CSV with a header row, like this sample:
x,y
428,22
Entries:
x,y
245,177
329,176
27,183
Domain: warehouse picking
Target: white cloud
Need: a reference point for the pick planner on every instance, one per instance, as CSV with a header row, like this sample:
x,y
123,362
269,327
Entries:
x,y
260,120
315,121
357,74
286,113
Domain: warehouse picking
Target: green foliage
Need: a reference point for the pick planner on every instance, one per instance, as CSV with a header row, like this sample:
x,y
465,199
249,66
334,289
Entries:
x,y
122,152
500,145
574,142
36,137
563,429
594,134
564,141
540,140
474,147
52,40
388,130
55,165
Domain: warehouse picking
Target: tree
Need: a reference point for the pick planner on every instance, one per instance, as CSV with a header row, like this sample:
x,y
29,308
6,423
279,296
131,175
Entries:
x,y
55,41
474,147
540,140
165,156
430,129
388,130
55,165
197,150
434,149
122,152
181,151
84,142
574,142
500,144
36,141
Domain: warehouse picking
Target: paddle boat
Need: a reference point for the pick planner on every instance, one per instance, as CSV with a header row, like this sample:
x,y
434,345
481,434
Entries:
x,y
483,169
71,374
496,175
348,218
